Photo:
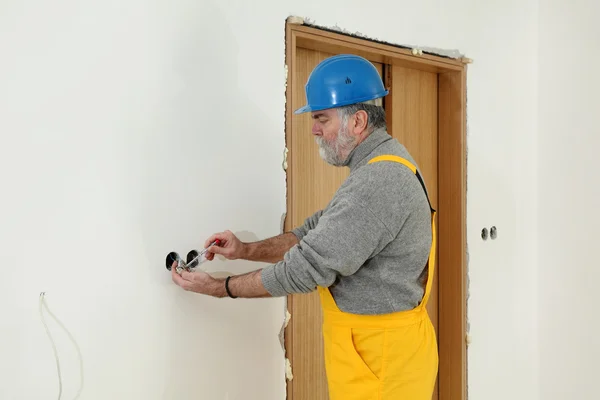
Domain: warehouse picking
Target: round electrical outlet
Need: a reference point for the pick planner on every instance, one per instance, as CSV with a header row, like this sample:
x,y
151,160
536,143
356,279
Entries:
x,y
484,233
493,232
171,258
190,256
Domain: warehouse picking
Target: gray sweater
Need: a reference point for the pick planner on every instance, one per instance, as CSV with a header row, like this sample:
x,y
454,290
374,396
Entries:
x,y
370,244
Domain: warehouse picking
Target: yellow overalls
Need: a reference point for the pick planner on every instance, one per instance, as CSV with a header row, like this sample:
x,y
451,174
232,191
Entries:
x,y
381,357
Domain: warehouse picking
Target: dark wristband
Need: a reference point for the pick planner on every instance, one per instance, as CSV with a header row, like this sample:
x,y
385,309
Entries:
x,y
227,288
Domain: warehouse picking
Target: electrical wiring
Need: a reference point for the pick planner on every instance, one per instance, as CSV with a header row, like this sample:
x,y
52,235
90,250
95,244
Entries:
x,y
44,305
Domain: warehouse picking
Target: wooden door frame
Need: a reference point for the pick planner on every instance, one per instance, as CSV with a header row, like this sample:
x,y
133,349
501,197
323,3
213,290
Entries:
x,y
452,251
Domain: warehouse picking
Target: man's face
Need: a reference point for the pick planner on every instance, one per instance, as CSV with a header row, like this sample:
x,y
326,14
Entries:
x,y
334,137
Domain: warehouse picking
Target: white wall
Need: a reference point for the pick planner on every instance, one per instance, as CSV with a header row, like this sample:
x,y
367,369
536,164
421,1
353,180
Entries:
x,y
114,120
569,136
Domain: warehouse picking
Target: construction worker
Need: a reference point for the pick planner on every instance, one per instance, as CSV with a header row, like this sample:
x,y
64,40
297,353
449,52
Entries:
x,y
369,253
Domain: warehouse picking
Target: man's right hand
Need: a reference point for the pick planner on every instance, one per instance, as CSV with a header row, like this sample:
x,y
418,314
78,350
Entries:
x,y
231,247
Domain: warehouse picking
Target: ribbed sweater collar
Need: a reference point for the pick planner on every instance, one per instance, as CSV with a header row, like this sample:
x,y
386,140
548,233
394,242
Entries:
x,y
358,156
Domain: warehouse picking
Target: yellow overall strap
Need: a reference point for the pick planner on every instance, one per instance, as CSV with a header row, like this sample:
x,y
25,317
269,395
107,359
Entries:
x,y
431,266
394,159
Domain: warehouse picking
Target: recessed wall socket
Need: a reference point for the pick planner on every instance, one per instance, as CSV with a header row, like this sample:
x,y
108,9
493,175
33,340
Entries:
x,y
190,256
171,258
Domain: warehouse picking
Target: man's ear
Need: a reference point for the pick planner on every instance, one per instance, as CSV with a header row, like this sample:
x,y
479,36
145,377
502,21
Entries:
x,y
361,120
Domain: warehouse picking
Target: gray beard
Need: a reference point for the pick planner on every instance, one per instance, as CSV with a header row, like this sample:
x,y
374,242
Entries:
x,y
337,152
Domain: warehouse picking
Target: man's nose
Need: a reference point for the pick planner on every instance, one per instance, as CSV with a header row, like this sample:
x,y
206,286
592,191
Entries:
x,y
315,129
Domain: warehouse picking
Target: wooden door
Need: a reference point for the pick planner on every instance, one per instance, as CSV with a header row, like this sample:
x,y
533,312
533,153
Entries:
x,y
411,110
412,116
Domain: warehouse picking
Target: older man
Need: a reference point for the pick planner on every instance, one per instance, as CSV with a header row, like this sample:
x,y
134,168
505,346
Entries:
x,y
369,253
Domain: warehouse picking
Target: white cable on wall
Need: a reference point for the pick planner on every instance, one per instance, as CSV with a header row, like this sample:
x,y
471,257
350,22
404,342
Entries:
x,y
44,305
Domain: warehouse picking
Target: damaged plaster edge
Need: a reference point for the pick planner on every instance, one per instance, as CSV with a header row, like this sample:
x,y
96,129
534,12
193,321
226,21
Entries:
x,y
467,294
284,166
288,369
416,50
294,19
285,303
287,316
281,334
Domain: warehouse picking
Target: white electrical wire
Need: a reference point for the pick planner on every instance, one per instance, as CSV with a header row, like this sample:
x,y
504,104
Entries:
x,y
43,304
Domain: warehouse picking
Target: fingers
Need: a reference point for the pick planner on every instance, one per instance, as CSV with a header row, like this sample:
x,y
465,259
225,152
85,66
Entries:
x,y
179,279
210,240
226,251
174,275
196,281
187,276
222,236
216,250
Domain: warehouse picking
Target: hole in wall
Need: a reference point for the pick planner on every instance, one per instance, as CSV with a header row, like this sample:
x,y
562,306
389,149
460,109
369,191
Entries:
x,y
493,232
171,258
190,256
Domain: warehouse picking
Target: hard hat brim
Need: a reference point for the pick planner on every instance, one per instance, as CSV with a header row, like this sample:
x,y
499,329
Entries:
x,y
310,108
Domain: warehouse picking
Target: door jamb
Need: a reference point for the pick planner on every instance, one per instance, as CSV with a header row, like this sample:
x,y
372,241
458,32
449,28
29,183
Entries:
x,y
451,265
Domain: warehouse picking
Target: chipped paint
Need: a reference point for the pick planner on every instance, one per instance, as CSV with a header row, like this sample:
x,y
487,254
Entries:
x,y
420,50
288,316
292,19
281,337
282,223
288,369
285,155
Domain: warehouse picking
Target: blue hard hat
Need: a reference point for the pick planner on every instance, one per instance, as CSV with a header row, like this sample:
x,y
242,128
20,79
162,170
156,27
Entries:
x,y
342,80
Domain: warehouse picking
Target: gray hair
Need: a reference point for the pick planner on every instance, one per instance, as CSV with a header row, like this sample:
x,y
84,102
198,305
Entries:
x,y
375,113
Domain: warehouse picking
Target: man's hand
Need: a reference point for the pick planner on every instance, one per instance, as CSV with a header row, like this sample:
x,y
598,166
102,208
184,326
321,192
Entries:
x,y
231,247
247,285
198,282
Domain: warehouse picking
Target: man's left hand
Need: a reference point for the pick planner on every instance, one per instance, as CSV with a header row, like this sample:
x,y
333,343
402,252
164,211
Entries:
x,y
198,282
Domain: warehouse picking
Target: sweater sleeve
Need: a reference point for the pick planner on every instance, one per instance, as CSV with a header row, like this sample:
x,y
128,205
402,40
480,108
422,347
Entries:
x,y
309,223
346,236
